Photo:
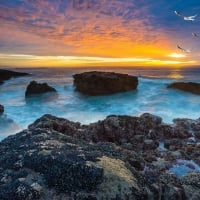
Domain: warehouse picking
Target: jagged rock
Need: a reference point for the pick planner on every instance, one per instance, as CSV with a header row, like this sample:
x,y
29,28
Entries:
x,y
1,109
103,83
38,88
187,87
116,158
7,74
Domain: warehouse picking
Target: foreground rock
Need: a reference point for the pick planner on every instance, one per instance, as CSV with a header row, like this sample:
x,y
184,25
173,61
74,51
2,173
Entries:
x,y
116,158
1,109
103,83
7,74
187,87
38,88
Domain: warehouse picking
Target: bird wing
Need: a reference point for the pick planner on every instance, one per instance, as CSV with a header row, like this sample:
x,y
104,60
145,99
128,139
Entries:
x,y
188,19
179,47
178,14
194,16
195,35
184,50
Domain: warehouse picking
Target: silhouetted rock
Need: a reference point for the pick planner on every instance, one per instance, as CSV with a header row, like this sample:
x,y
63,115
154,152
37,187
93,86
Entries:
x,y
1,109
187,87
104,83
7,74
38,88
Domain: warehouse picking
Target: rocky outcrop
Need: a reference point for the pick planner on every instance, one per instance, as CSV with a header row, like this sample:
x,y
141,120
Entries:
x,y
38,88
116,158
104,83
187,87
1,109
7,74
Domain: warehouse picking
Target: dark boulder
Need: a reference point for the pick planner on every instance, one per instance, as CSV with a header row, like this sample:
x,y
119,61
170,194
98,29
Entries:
x,y
1,109
38,88
187,87
7,74
104,83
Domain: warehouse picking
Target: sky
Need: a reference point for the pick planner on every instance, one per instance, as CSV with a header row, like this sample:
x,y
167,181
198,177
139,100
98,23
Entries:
x,y
65,33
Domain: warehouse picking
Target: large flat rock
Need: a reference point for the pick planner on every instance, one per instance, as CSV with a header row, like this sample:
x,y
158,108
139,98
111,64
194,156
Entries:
x,y
186,86
104,83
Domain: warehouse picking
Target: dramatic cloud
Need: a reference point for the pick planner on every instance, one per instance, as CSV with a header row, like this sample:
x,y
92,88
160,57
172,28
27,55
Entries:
x,y
95,28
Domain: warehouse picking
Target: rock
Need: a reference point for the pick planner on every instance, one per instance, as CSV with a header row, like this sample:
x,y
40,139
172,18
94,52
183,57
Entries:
x,y
7,74
186,86
1,109
38,88
104,83
150,144
191,185
116,158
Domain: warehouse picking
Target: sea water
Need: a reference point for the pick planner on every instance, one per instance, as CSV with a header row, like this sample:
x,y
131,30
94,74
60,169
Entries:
x,y
151,96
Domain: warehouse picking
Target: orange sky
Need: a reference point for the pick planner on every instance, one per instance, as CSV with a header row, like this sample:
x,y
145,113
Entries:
x,y
110,33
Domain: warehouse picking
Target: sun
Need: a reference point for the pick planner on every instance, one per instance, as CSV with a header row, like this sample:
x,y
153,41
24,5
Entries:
x,y
176,55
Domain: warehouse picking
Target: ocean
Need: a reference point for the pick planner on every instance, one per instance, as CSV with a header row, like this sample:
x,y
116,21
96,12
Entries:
x,y
152,96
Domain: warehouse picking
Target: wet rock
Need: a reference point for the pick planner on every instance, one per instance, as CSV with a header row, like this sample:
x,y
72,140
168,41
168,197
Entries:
x,y
104,83
191,186
187,87
7,74
172,144
1,109
38,88
18,191
115,158
55,123
150,144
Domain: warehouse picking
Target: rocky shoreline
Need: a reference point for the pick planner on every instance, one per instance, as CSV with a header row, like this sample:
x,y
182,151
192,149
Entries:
x,y
7,74
121,157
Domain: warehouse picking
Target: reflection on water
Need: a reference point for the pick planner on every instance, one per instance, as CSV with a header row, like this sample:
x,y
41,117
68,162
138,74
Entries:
x,y
176,74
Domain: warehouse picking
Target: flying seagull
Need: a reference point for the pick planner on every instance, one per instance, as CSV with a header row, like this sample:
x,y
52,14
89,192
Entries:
x,y
184,50
186,18
195,35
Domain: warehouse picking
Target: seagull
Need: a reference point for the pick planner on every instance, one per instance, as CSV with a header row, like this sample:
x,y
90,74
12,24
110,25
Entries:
x,y
186,18
195,35
184,50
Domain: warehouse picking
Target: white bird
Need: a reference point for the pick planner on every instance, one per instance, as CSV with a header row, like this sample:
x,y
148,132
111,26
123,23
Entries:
x,y
195,35
186,18
184,50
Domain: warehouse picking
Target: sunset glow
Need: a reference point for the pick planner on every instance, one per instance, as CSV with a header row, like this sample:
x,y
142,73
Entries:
x,y
86,33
